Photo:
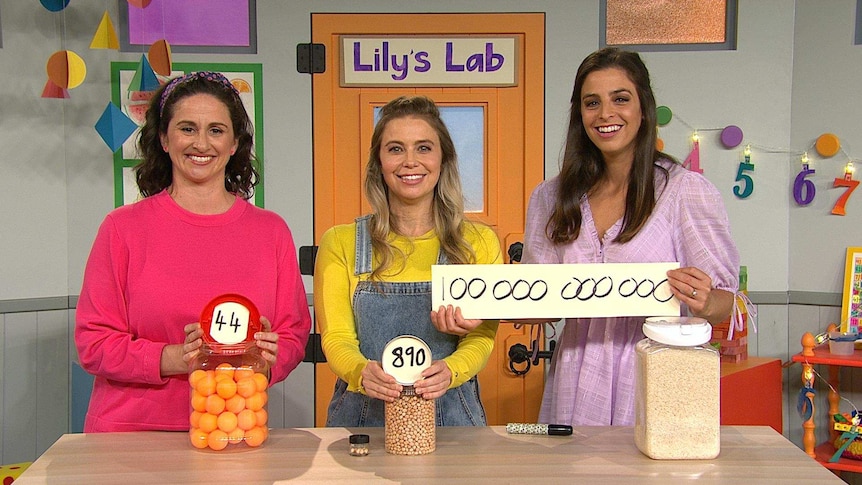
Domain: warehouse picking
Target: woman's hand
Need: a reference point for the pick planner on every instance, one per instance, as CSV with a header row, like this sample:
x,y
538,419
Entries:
x,y
694,288
435,380
267,341
193,341
449,320
379,384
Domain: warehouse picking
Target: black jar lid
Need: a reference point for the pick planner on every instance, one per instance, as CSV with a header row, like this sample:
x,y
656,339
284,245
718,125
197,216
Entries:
x,y
359,439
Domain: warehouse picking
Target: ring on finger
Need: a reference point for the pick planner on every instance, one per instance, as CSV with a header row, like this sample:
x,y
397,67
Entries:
x,y
693,293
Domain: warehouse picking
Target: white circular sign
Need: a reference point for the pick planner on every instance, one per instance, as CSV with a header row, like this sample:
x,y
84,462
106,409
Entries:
x,y
405,357
229,323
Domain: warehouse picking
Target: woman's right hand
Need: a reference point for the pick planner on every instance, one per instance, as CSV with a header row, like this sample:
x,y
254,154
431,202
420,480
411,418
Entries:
x,y
193,341
379,384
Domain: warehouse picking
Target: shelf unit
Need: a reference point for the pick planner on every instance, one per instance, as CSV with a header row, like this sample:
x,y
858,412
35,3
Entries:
x,y
811,355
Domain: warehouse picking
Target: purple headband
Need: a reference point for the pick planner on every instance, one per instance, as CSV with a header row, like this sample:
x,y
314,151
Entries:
x,y
215,77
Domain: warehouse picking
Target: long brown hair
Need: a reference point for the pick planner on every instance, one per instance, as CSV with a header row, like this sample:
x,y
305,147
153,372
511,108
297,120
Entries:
x,y
448,204
155,172
583,165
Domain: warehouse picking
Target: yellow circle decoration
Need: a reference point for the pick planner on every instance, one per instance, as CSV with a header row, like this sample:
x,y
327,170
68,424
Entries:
x,y
827,145
66,69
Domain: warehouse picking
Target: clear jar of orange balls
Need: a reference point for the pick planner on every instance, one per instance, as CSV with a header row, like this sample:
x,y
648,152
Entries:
x,y
228,379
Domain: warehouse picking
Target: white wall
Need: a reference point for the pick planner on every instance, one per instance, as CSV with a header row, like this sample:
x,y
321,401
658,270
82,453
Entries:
x,y
792,77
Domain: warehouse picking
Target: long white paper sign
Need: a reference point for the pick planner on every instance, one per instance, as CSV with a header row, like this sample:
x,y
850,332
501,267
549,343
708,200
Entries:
x,y
510,291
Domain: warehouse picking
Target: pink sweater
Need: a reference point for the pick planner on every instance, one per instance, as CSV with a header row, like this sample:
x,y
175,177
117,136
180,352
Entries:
x,y
152,269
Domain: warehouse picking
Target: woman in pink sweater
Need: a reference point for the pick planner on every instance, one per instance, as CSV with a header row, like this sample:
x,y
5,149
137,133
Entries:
x,y
155,264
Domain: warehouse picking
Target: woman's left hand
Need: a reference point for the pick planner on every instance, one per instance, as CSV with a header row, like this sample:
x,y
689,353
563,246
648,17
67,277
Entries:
x,y
448,319
435,380
692,287
267,341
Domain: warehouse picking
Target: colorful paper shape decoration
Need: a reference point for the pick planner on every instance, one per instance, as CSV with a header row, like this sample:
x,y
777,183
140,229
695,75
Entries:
x,y
51,90
827,145
106,35
145,78
55,5
663,115
731,136
114,127
66,69
160,57
692,162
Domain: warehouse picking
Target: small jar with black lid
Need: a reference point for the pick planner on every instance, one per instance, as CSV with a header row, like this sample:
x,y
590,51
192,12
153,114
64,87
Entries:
x,y
359,444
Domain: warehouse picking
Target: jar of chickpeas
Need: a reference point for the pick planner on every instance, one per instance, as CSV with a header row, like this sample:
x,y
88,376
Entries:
x,y
410,421
228,379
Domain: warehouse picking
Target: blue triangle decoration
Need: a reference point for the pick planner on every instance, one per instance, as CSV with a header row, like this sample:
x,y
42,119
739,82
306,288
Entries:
x,y
114,127
145,78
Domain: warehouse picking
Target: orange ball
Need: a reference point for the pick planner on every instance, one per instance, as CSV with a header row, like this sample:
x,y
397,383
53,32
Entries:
x,y
206,385
227,421
215,404
198,438
246,419
208,422
261,417
217,440
195,419
199,401
242,372
261,381
246,386
195,376
226,388
225,369
256,401
235,404
236,436
255,436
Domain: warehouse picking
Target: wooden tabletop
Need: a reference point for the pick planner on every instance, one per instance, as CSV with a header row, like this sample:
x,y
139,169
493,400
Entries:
x,y
749,454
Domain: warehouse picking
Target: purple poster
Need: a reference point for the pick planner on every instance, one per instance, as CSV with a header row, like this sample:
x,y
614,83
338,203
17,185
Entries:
x,y
191,25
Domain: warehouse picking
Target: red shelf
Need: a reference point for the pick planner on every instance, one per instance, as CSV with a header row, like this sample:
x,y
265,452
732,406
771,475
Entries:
x,y
823,356
825,451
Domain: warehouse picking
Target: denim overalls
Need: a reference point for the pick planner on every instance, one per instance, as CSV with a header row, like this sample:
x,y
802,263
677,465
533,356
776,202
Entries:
x,y
383,311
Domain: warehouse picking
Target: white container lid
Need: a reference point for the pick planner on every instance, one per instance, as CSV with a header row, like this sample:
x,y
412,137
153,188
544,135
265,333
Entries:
x,y
678,331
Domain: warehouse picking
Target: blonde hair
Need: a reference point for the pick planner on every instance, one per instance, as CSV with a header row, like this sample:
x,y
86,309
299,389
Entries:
x,y
448,203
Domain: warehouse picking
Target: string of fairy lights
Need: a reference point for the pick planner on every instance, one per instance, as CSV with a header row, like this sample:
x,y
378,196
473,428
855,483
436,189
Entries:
x,y
804,190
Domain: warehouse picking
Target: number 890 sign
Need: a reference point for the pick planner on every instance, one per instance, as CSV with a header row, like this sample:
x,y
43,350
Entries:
x,y
405,357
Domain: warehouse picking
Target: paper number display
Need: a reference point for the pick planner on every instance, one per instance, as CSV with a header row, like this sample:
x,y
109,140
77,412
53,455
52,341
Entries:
x,y
229,323
404,358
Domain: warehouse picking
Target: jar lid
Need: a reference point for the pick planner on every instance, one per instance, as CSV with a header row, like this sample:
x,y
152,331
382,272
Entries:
x,y
229,319
359,439
405,357
678,331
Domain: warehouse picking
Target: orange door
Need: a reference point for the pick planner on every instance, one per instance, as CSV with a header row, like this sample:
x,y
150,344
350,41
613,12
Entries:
x,y
513,161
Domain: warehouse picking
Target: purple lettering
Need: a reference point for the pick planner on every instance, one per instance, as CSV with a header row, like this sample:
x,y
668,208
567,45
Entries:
x,y
357,63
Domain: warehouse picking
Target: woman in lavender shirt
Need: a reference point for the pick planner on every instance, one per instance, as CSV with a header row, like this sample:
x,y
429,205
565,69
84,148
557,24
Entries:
x,y
618,199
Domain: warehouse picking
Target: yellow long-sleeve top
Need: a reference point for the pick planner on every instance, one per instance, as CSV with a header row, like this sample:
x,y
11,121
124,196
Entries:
x,y
335,283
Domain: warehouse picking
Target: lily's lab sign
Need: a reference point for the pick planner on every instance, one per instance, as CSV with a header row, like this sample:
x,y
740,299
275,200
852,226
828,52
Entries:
x,y
429,61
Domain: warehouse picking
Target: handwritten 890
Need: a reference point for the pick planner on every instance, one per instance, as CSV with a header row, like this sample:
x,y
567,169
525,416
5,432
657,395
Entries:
x,y
577,289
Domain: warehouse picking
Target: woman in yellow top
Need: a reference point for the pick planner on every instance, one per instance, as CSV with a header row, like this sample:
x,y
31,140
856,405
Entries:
x,y
372,277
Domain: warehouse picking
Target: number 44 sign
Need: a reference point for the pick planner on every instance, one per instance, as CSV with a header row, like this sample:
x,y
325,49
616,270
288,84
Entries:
x,y
511,291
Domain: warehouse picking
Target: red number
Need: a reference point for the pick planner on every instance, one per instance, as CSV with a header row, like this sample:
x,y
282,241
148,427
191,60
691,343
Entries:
x,y
851,185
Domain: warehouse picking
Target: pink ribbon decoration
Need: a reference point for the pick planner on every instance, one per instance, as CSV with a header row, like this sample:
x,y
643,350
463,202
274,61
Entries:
x,y
737,320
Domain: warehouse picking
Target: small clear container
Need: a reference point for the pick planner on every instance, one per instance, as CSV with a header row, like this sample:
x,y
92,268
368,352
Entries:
x,y
677,394
229,379
359,444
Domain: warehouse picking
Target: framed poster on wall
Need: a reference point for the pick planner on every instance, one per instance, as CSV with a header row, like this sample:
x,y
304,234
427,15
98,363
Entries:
x,y
190,26
247,78
851,304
